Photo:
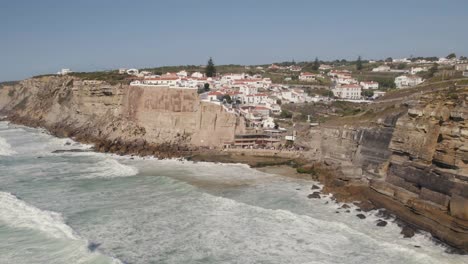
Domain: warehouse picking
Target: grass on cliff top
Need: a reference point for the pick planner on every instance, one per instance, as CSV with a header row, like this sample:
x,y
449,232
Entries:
x,y
112,77
10,83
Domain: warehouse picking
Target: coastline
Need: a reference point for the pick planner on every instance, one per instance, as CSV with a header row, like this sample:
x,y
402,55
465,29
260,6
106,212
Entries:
x,y
342,191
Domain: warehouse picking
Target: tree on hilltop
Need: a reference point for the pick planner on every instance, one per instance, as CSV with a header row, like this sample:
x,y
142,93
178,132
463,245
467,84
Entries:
x,y
316,64
210,69
451,56
359,64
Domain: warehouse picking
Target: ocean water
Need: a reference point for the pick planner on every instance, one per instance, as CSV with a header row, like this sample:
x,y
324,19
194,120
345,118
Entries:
x,y
86,207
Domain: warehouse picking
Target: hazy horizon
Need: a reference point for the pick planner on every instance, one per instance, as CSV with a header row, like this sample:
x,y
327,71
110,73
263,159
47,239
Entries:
x,y
44,36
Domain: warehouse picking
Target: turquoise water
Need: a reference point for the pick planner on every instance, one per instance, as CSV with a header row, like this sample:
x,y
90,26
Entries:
x,y
86,207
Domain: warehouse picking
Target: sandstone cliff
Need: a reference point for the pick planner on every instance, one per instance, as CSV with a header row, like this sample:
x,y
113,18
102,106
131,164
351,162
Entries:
x,y
414,162
120,118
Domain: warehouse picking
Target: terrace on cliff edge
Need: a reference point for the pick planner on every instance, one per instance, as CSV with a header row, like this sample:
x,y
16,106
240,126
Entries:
x,y
406,152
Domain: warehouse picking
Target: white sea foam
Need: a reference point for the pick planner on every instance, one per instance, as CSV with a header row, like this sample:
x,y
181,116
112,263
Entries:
x,y
108,168
5,148
19,214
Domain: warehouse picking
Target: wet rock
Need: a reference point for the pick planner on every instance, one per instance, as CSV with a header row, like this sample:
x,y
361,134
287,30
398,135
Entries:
x,y
381,222
417,246
361,216
336,212
384,214
70,150
93,246
298,189
348,211
365,206
315,195
345,206
67,143
407,232
315,187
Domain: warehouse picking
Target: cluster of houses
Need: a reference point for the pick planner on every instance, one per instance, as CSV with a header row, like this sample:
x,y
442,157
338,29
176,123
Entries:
x,y
293,68
348,88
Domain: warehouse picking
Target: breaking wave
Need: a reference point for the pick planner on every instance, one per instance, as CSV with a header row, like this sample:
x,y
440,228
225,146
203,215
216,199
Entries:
x,y
5,148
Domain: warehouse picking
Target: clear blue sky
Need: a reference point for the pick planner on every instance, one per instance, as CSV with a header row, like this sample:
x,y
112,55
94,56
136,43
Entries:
x,y
43,36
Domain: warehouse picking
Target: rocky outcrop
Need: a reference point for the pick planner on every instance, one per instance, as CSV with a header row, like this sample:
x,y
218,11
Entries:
x,y
120,118
414,163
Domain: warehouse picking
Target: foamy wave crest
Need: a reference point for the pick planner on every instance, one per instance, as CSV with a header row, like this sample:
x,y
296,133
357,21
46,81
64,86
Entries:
x,y
19,214
5,148
108,168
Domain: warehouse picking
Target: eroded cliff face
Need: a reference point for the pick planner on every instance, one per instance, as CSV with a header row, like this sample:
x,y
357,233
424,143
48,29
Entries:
x,y
414,163
120,118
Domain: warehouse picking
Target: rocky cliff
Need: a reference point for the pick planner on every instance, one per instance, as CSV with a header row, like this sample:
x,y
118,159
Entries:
x,y
120,118
414,162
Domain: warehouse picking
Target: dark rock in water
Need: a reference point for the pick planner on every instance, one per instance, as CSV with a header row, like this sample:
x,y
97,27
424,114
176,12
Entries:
x,y
345,206
417,246
348,211
381,222
384,214
361,216
336,212
366,206
314,187
298,189
358,210
407,232
326,202
67,143
315,195
93,246
70,150
39,157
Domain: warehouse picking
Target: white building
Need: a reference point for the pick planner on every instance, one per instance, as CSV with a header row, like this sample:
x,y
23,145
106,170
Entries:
x,y
132,71
461,67
197,75
378,94
294,95
404,60
325,67
350,91
268,122
406,81
64,72
248,90
307,77
415,70
381,68
182,74
255,99
369,85
344,79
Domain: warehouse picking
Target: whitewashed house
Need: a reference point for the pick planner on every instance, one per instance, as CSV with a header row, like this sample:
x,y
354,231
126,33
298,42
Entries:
x,y
381,68
307,77
64,72
369,85
349,91
415,70
406,81
325,67
132,71
461,67
182,74
197,75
